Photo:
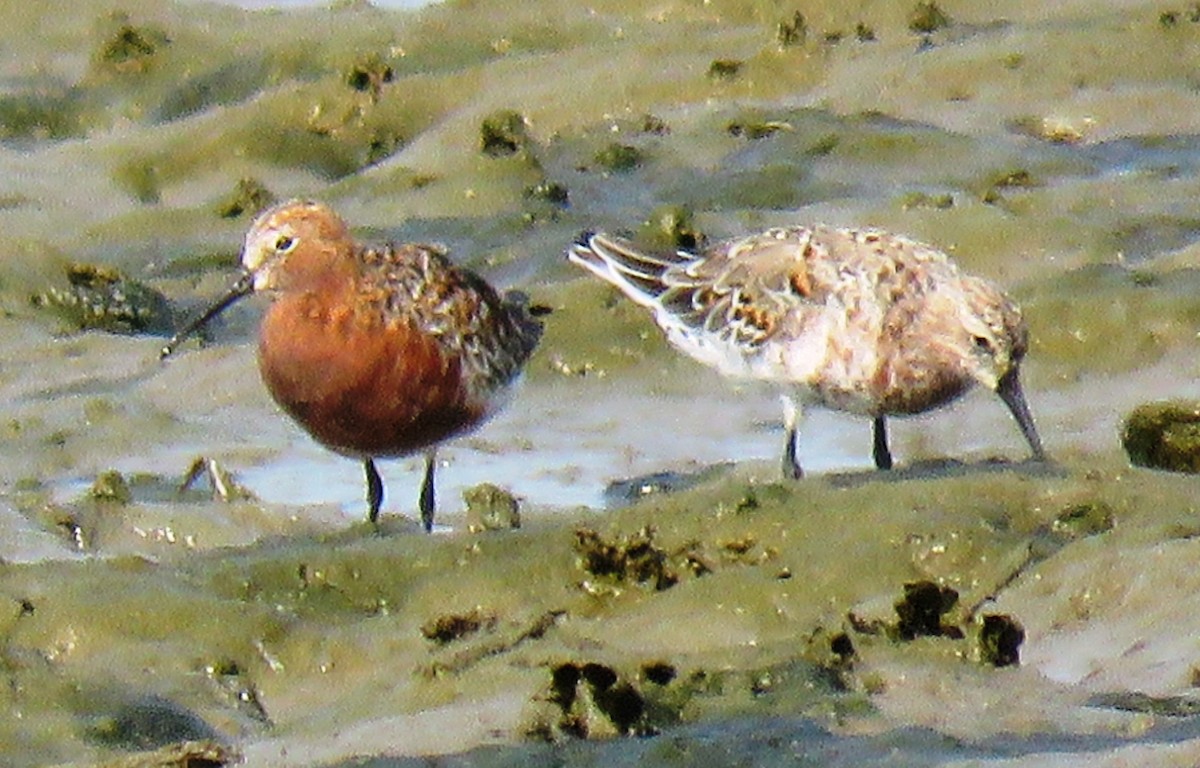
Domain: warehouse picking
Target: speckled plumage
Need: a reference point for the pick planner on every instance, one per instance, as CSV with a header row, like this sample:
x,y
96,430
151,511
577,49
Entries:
x,y
376,351
857,320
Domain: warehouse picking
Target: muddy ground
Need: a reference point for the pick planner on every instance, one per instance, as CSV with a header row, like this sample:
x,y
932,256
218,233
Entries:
x,y
968,606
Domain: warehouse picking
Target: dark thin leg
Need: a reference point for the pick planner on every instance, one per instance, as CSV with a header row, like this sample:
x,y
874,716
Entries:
x,y
883,457
791,418
374,491
791,465
427,499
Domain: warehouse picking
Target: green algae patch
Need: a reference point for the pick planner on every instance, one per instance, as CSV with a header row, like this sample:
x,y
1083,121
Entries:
x,y
595,332
596,639
618,158
111,486
129,49
724,69
1109,319
671,228
50,114
1164,435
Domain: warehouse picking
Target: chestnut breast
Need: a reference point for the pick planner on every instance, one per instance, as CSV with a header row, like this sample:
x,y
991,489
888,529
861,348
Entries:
x,y
359,385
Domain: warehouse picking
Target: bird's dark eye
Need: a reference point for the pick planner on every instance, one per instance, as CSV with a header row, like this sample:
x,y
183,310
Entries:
x,y
983,344
285,243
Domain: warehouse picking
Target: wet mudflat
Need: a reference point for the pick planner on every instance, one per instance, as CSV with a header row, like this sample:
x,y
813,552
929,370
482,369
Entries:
x,y
1053,150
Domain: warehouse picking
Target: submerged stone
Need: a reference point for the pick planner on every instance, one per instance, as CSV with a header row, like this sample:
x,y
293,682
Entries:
x,y
103,298
1144,703
149,723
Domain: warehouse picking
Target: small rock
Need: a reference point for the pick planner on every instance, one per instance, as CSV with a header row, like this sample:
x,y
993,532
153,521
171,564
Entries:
x,y
491,508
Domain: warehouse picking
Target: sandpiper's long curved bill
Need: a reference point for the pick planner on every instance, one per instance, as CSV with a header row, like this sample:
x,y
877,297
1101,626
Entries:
x,y
242,287
1010,392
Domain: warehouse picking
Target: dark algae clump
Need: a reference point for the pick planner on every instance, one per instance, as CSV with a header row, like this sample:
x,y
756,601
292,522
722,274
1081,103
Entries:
x,y
922,609
618,158
1000,639
724,69
504,133
792,32
249,196
1164,435
455,626
634,559
595,701
369,75
927,18
129,49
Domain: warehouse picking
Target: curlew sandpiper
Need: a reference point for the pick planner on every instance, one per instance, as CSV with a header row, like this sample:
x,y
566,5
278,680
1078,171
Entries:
x,y
856,320
375,351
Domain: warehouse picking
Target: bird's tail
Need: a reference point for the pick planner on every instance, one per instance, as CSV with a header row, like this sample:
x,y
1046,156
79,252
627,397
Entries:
x,y
637,274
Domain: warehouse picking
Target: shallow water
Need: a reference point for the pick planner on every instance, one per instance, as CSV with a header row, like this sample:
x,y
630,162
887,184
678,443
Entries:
x,y
1052,148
